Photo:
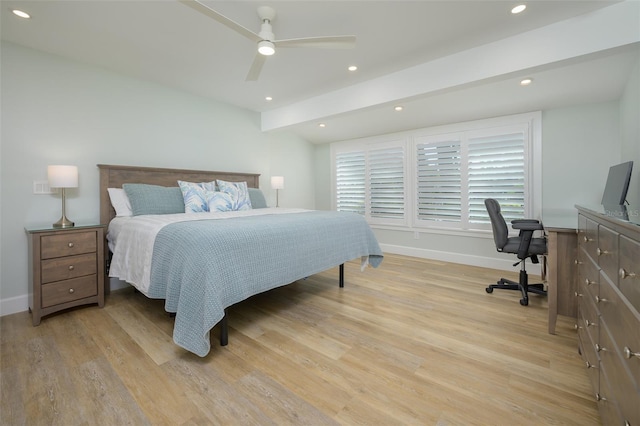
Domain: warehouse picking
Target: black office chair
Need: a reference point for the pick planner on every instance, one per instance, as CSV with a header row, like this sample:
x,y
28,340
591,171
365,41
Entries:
x,y
525,246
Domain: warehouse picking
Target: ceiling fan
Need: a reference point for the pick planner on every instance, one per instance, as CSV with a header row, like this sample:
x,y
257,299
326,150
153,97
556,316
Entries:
x,y
265,39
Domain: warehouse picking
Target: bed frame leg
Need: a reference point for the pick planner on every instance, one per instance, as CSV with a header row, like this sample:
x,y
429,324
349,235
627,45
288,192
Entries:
x,y
341,275
224,330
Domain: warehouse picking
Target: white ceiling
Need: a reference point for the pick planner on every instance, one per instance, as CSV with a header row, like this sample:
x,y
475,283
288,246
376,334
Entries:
x,y
428,56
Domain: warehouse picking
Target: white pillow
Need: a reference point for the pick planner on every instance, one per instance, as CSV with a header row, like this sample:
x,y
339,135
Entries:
x,y
120,202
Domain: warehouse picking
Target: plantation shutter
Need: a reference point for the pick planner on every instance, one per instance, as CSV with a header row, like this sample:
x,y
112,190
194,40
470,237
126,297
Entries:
x,y
386,180
439,188
496,169
350,182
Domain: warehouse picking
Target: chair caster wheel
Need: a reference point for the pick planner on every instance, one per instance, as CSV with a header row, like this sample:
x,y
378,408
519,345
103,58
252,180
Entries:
x,y
489,290
524,302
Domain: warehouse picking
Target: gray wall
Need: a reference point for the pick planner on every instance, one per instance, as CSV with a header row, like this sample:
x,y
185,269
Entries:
x,y
55,111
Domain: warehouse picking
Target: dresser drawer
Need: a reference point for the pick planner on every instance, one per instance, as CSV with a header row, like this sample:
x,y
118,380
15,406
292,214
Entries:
x,y
590,358
607,405
588,318
622,321
68,244
625,390
588,237
588,276
629,271
64,268
69,290
607,252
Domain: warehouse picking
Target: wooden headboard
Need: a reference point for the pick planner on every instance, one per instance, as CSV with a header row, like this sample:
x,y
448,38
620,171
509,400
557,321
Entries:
x,y
115,176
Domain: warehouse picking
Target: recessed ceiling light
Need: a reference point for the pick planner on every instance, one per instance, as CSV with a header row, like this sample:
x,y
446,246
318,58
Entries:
x,y
352,68
526,81
21,14
322,125
268,98
398,108
518,9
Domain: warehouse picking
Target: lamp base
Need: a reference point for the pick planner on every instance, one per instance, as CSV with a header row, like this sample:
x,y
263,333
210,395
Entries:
x,y
64,223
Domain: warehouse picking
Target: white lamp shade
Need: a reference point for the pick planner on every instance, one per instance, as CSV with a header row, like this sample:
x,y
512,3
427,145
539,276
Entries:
x,y
63,176
266,48
277,182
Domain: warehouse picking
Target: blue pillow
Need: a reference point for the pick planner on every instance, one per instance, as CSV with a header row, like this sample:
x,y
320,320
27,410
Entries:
x,y
195,195
219,202
257,198
154,199
238,192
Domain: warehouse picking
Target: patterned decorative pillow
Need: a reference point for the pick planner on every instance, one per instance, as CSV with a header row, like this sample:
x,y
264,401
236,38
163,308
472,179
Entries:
x,y
239,194
195,195
219,201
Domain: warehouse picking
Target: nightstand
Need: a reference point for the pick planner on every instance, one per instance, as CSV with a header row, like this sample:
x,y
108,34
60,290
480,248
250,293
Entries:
x,y
66,268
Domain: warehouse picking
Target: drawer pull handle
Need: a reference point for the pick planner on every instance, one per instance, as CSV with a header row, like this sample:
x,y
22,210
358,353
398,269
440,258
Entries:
x,y
71,291
577,294
71,267
600,397
589,323
70,245
628,353
587,281
589,365
587,239
576,327
624,274
577,262
600,252
600,299
600,348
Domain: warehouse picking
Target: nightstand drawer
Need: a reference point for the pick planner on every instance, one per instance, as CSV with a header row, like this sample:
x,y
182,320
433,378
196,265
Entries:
x,y
69,290
64,268
67,244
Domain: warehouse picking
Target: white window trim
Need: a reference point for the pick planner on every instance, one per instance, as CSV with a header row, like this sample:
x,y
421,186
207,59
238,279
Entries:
x,y
533,168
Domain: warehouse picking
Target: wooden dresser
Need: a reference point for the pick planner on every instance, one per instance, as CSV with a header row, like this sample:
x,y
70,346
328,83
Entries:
x,y
608,321
66,268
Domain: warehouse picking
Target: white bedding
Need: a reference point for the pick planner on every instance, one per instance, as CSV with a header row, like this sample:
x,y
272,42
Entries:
x,y
131,240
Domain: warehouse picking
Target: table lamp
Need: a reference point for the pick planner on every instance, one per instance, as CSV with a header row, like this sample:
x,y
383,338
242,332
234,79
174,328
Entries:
x,y
277,183
63,177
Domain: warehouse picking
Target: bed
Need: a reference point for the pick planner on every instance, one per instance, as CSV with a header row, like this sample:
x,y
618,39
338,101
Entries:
x,y
202,263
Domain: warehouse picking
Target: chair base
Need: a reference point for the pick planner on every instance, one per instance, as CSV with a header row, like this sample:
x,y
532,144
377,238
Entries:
x,y
523,286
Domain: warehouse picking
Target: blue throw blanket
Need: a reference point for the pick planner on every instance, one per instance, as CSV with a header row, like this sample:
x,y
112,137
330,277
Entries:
x,y
202,267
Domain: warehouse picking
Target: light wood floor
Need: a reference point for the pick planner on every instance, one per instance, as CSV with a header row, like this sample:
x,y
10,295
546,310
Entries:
x,y
413,342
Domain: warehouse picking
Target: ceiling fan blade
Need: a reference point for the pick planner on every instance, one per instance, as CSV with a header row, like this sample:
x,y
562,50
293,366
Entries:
x,y
329,42
205,10
256,67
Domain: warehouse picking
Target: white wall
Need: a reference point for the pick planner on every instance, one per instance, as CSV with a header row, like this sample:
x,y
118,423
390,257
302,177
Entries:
x,y
630,133
579,144
55,111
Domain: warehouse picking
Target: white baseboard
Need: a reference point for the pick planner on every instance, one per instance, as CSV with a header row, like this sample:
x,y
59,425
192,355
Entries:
x,y
505,264
13,305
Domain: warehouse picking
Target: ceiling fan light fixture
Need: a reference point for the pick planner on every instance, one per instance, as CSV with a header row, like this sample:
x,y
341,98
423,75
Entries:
x,y
266,48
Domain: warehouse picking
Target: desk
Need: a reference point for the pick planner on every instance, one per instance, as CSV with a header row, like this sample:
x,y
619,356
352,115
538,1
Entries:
x,y
562,277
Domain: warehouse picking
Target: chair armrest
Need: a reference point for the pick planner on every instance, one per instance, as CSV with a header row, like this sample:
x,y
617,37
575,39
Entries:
x,y
527,225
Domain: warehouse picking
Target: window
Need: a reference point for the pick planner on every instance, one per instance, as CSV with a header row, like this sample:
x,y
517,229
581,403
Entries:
x,y
371,182
350,182
439,178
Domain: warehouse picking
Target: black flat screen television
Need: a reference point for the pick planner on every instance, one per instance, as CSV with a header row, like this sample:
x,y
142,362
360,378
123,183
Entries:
x,y
615,191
